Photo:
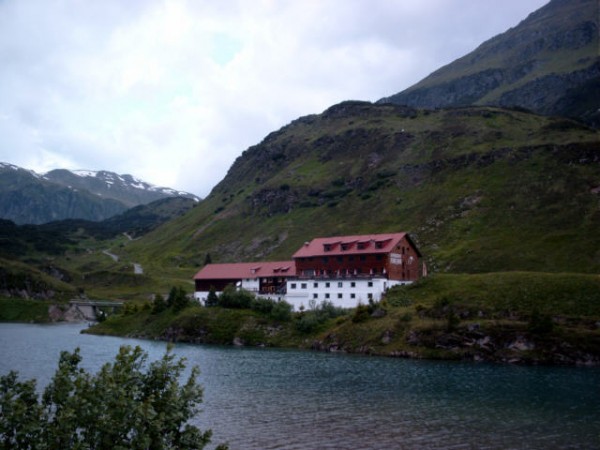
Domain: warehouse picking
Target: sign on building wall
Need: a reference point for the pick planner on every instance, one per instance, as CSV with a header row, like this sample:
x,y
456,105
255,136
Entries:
x,y
395,258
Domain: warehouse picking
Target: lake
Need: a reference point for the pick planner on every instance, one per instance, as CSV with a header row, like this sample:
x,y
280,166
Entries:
x,y
289,399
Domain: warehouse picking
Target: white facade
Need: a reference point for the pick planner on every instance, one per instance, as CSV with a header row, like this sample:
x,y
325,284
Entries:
x,y
344,293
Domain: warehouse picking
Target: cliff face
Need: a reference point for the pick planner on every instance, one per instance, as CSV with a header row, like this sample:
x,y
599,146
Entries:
x,y
549,64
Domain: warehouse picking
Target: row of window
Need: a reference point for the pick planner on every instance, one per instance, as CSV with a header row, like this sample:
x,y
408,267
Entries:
x,y
340,284
340,296
326,259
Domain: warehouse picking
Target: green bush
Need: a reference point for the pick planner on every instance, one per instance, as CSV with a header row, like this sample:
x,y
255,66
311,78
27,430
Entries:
x,y
361,314
127,404
235,299
281,311
308,321
262,305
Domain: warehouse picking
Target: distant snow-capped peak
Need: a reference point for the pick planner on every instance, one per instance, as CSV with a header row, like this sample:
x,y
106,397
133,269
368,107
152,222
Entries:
x,y
9,166
110,178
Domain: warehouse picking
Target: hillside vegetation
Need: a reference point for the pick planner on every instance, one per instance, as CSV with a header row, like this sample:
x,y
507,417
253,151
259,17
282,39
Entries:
x,y
480,189
510,317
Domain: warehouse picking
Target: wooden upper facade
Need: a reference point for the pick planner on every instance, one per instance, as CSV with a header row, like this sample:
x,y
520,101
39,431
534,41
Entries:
x,y
393,256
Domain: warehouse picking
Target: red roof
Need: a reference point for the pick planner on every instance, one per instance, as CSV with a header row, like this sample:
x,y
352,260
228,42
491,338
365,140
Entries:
x,y
238,271
351,245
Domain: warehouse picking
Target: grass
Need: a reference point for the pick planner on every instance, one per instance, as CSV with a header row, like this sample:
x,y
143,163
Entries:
x,y
560,294
21,310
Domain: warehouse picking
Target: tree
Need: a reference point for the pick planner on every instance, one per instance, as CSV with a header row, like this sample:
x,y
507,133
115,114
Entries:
x,y
128,404
159,304
177,299
211,299
207,259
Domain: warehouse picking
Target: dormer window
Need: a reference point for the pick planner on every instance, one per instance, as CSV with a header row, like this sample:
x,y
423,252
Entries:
x,y
362,245
327,247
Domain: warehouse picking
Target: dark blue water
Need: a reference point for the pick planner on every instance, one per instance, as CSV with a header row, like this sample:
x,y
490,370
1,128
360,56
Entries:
x,y
283,399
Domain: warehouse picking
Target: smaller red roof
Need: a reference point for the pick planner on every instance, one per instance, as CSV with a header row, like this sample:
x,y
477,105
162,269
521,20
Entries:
x,y
351,245
238,271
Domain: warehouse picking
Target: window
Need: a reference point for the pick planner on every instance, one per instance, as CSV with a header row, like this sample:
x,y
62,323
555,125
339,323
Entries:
x,y
316,285
363,257
328,284
352,295
315,296
340,284
352,284
370,284
293,286
325,259
340,258
326,295
370,296
379,257
303,286
340,296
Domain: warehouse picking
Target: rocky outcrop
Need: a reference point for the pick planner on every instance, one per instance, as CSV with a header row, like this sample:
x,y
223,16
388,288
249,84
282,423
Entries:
x,y
548,63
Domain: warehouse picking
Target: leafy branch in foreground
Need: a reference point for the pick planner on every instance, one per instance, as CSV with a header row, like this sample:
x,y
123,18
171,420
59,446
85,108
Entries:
x,y
128,404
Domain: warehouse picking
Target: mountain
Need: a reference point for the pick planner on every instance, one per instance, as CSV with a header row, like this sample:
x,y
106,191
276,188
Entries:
x,y
480,189
549,64
55,238
28,197
126,189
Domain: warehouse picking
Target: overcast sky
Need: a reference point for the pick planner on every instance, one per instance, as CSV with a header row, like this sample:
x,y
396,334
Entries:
x,y
172,91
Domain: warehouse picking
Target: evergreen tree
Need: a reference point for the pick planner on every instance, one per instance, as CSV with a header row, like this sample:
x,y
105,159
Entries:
x,y
177,299
212,299
159,304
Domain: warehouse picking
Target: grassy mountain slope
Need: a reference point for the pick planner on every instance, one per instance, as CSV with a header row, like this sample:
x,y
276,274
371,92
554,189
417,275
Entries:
x,y
549,63
75,254
481,189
